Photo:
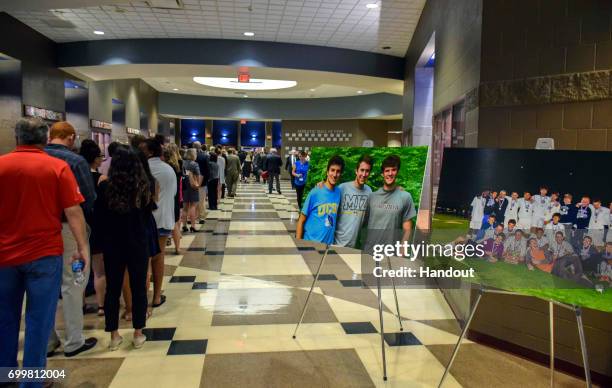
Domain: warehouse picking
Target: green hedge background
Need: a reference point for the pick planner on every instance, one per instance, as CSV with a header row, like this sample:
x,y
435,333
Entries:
x,y
410,176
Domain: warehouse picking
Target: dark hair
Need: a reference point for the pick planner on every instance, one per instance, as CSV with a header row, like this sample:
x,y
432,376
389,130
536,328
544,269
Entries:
x,y
390,161
336,160
136,140
128,185
161,139
365,159
212,157
303,153
112,148
90,150
596,200
492,215
556,215
512,222
31,131
544,187
154,147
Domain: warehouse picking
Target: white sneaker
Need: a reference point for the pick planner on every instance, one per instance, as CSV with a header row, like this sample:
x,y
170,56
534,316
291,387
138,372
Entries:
x,y
114,344
139,341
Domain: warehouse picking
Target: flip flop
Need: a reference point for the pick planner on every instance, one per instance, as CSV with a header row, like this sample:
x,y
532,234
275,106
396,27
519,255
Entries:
x,y
162,300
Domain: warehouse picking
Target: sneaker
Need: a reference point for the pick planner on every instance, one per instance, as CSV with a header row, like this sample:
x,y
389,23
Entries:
x,y
114,344
139,341
185,230
51,352
89,343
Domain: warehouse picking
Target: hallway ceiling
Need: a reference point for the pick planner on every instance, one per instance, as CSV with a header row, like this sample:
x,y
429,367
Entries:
x,y
350,24
310,84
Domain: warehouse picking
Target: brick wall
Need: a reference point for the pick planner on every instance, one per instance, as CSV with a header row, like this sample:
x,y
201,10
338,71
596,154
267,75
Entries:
x,y
546,72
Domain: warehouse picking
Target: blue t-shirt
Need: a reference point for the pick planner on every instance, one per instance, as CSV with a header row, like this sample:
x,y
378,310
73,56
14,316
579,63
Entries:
x,y
321,211
300,168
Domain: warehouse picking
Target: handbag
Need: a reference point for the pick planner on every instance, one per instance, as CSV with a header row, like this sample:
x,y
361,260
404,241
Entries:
x,y
193,180
264,175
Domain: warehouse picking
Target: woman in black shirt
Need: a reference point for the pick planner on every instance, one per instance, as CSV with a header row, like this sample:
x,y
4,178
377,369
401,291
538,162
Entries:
x,y
122,211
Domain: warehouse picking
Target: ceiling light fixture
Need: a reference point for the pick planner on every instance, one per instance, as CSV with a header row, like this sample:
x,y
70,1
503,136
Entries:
x,y
312,90
372,5
175,89
359,91
98,32
249,33
253,84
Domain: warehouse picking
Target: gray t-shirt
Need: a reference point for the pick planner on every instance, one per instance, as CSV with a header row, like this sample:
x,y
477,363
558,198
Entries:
x,y
387,211
353,206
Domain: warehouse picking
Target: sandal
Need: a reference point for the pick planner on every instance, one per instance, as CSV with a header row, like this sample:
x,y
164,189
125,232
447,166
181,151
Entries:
x,y
162,300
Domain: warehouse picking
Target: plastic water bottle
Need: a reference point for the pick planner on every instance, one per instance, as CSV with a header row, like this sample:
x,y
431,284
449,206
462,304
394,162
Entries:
x,y
77,272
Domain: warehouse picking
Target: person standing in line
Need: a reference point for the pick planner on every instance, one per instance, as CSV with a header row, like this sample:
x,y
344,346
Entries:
x,y
202,161
273,167
222,162
290,163
93,155
164,214
264,165
478,206
319,214
257,165
390,209
232,172
112,147
247,166
353,204
525,212
42,188
300,176
512,208
122,211
191,194
173,158
62,138
213,182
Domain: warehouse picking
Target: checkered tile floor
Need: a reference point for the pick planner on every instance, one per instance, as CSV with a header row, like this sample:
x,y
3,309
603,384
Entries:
x,y
235,295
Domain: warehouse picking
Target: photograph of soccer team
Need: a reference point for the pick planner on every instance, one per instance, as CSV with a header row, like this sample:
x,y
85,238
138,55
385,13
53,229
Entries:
x,y
553,233
360,197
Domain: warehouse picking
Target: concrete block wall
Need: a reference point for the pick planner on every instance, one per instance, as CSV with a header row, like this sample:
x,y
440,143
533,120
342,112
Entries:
x,y
545,72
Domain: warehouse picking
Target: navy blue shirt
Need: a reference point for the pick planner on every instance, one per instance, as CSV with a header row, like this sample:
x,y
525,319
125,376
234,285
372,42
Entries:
x,y
583,216
568,213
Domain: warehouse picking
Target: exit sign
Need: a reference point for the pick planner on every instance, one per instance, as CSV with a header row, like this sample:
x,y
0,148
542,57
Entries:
x,y
244,77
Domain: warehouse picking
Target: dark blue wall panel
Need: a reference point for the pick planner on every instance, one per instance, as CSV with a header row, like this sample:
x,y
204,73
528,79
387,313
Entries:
x,y
225,132
193,130
277,135
253,134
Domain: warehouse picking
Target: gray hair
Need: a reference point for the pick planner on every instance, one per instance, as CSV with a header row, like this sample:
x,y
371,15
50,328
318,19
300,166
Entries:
x,y
191,154
31,131
197,145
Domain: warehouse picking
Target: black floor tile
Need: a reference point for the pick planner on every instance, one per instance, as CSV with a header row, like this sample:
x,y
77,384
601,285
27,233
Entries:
x,y
401,339
204,286
214,253
331,252
196,249
358,327
352,283
187,347
306,248
182,279
159,334
327,276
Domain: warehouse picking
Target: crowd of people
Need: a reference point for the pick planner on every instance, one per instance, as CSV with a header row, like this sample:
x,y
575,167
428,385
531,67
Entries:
x,y
547,232
112,215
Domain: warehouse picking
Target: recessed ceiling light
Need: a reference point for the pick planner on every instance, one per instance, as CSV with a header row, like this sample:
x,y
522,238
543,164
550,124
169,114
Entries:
x,y
248,33
372,5
253,84
312,90
98,32
245,96
359,91
175,89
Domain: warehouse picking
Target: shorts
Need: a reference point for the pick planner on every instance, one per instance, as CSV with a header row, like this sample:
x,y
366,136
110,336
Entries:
x,y
164,232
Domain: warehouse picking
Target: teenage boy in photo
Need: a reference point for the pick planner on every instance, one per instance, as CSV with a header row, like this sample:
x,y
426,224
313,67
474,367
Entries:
x,y
510,227
541,239
487,231
568,213
605,267
609,232
567,264
512,208
600,217
553,207
390,209
583,218
501,204
317,221
589,255
515,248
478,206
540,205
525,212
538,257
494,248
353,204
554,226
489,207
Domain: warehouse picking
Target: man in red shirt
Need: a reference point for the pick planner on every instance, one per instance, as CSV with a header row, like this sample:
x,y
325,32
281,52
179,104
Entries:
x,y
36,190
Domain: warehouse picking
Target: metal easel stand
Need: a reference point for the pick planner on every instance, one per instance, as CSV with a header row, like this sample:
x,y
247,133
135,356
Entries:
x,y
551,303
380,307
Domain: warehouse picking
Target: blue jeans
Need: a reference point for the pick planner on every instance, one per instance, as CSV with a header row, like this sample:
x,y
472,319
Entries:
x,y
40,280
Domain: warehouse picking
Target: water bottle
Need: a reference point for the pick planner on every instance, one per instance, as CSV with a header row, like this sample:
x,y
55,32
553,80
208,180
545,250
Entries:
x,y
77,272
